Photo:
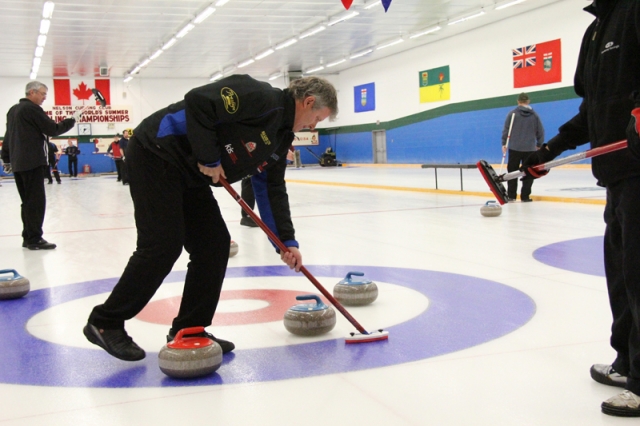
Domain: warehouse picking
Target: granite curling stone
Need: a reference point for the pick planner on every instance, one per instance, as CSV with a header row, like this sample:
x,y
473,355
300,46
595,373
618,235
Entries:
x,y
491,209
234,249
310,319
354,292
190,356
14,286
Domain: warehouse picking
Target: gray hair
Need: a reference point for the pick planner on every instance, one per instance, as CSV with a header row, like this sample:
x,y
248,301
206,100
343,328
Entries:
x,y
34,85
324,92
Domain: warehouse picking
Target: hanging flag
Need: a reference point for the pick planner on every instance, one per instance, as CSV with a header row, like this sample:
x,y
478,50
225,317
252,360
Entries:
x,y
435,85
81,91
364,97
347,3
386,4
537,64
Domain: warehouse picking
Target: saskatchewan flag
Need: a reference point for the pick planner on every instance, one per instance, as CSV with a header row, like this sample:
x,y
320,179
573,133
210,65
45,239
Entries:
x,y
434,85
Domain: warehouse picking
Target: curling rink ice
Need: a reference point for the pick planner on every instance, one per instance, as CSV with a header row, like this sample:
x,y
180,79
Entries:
x,y
491,320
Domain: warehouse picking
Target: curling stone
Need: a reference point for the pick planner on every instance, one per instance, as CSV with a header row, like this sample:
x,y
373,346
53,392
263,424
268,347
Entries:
x,y
190,356
491,209
234,249
310,319
13,287
352,292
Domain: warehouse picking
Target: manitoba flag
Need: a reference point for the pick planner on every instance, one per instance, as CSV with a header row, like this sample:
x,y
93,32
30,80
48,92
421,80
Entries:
x,y
537,64
65,94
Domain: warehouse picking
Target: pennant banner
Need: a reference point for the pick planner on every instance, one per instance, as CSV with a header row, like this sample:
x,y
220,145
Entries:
x,y
347,3
386,4
435,85
537,64
77,92
364,97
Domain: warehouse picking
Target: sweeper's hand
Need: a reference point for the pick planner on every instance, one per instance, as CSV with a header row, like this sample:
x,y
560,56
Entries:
x,y
293,258
633,133
213,172
541,156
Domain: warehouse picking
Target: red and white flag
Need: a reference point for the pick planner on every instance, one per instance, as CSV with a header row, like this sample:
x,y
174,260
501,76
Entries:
x,y
67,92
537,64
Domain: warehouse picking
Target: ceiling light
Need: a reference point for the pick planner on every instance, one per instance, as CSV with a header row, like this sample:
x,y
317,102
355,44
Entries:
x,y
264,54
183,32
312,31
343,17
136,70
36,64
155,55
390,43
466,18
229,69
333,64
42,40
221,2
216,76
128,79
39,51
47,10
361,53
274,76
425,32
245,63
371,4
310,70
44,26
169,43
286,43
33,75
204,15
509,4
144,63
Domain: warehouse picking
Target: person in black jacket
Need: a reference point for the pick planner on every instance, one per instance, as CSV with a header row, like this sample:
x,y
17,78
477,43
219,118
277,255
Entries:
x,y
53,164
25,149
606,78
72,152
233,128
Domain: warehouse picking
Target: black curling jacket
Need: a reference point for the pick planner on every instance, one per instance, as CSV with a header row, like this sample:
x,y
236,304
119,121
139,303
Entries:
x,y
239,122
25,143
608,72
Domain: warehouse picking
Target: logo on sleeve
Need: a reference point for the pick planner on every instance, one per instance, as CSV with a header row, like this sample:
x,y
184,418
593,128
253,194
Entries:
x,y
232,154
610,46
265,138
231,100
249,146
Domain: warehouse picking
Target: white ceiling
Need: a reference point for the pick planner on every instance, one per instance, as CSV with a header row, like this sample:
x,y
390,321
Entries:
x,y
119,34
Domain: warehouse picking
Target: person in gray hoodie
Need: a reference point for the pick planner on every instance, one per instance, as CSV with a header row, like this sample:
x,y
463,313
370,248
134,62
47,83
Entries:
x,y
525,135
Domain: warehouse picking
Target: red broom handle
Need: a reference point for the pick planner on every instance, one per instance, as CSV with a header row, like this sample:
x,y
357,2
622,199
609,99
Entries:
x,y
285,249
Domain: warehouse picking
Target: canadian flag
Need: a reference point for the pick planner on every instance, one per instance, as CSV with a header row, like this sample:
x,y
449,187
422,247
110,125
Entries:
x,y
81,92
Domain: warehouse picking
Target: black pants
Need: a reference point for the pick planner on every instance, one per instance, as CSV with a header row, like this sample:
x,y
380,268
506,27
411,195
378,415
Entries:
x,y
73,166
515,160
119,167
169,216
622,267
53,168
30,186
247,195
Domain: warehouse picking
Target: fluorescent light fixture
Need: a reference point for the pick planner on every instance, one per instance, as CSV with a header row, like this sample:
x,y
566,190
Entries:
x,y
170,43
264,54
136,70
466,18
144,63
155,55
39,51
216,76
371,4
274,76
229,69
127,79
245,63
221,2
312,31
342,17
286,43
204,14
183,32
44,26
390,43
310,70
47,10
36,64
361,53
42,40
509,4
33,75
334,63
425,32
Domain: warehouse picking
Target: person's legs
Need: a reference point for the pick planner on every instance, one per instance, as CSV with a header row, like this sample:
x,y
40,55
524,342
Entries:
x,y
30,186
47,170
512,165
247,195
119,169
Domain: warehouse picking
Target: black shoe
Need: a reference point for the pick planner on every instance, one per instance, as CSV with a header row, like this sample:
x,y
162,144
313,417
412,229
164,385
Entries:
x,y
248,221
116,342
59,181
50,182
526,200
24,244
605,374
224,344
41,245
